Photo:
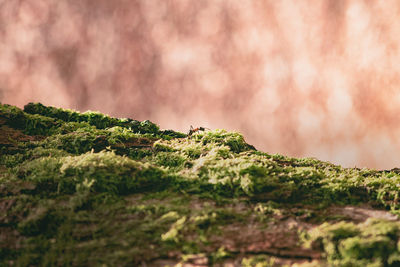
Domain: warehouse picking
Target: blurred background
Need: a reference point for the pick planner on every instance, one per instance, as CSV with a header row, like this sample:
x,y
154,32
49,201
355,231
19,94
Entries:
x,y
300,78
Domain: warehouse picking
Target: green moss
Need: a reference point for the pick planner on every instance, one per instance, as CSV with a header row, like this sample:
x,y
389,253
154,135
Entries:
x,y
101,190
95,119
13,161
103,171
119,134
111,173
169,160
44,172
234,141
14,115
43,219
148,127
162,147
173,232
86,138
259,261
29,124
266,211
69,127
169,134
373,243
80,141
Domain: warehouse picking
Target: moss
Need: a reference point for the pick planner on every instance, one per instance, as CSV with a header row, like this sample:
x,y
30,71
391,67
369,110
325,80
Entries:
x,y
44,172
234,141
95,119
86,138
266,211
373,243
13,115
69,127
259,261
162,147
169,160
77,142
110,173
44,219
28,123
101,190
173,232
172,134
104,171
119,134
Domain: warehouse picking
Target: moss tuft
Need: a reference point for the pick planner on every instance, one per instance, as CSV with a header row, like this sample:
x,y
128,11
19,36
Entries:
x,y
373,243
110,173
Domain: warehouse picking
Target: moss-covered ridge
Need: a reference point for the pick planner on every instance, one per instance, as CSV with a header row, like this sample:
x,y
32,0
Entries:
x,y
111,191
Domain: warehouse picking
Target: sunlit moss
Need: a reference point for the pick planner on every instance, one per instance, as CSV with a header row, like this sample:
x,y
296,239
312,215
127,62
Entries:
x,y
259,261
111,173
94,118
101,190
373,243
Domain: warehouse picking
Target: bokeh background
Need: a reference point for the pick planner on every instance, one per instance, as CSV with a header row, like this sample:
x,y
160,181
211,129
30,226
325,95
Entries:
x,y
308,78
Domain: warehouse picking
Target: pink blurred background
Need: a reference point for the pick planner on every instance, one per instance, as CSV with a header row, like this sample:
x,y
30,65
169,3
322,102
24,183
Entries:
x,y
300,78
